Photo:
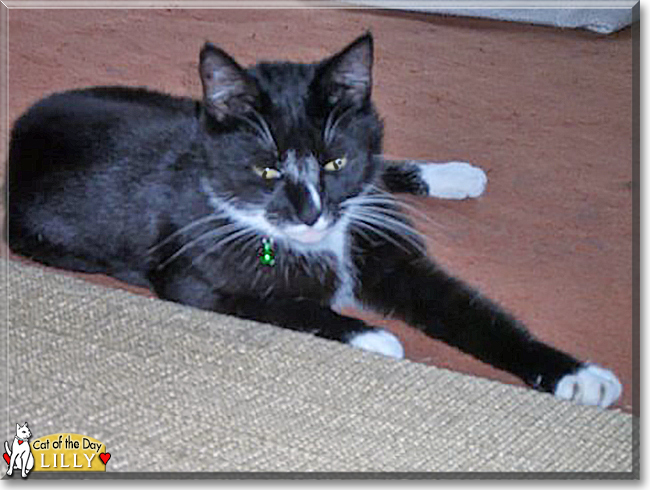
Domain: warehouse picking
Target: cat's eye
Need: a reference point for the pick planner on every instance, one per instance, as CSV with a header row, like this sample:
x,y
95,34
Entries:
x,y
267,173
335,165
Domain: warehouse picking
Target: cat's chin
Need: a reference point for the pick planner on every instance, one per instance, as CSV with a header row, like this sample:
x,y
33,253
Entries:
x,y
309,235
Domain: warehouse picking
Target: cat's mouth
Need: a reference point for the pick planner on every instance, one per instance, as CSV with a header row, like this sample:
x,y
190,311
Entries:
x,y
309,234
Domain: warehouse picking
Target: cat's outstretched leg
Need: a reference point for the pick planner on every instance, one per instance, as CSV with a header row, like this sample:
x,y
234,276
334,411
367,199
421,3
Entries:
x,y
416,290
449,180
303,315
308,316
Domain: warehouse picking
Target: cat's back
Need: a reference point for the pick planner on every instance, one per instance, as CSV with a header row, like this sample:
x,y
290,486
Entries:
x,y
103,101
91,170
95,126
96,111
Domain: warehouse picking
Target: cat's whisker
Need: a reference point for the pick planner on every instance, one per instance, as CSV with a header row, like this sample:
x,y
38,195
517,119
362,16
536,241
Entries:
x,y
363,234
403,230
204,236
394,212
333,121
399,203
418,214
260,132
265,128
380,205
362,223
371,193
382,219
186,228
382,215
233,237
328,124
379,202
260,126
250,241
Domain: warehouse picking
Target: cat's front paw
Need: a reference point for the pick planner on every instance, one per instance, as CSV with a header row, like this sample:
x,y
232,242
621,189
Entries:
x,y
379,341
454,180
590,385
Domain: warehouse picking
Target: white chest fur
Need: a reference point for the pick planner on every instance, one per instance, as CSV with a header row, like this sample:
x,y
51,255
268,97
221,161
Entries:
x,y
336,242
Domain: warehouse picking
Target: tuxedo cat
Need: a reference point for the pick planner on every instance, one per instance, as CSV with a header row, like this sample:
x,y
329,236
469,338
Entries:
x,y
266,200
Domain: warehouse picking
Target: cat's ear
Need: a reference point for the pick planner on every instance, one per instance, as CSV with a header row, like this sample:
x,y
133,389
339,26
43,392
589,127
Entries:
x,y
17,427
227,89
347,76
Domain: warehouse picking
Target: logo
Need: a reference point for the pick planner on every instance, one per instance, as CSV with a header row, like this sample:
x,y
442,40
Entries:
x,y
19,456
56,452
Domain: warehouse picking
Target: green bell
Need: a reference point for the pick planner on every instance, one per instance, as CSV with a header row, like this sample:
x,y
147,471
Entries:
x,y
267,256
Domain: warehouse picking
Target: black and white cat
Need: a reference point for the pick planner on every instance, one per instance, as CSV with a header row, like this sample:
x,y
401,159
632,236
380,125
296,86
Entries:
x,y
266,200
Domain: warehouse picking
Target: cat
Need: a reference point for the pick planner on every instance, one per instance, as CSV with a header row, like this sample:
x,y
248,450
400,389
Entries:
x,y
20,454
267,199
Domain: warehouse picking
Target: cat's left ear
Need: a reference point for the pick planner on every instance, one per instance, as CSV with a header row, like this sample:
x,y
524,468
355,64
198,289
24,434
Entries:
x,y
227,89
347,76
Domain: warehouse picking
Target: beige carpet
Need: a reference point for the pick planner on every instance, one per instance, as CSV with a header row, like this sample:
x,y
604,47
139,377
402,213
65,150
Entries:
x,y
169,388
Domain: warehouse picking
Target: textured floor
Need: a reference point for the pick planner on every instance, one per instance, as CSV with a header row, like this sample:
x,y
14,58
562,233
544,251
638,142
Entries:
x,y
547,113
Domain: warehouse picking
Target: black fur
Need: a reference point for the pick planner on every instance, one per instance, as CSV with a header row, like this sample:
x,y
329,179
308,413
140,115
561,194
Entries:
x,y
125,182
404,176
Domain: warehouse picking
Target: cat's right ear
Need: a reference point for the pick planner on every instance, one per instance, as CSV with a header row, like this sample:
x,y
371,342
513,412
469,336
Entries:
x,y
227,89
346,77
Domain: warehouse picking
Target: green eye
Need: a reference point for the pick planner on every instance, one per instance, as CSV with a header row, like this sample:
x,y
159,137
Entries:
x,y
267,173
336,165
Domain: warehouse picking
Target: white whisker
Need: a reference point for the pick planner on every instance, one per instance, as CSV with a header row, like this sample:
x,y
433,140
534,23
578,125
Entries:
x,y
188,227
233,237
399,203
420,214
362,223
260,126
265,128
378,218
204,236
333,120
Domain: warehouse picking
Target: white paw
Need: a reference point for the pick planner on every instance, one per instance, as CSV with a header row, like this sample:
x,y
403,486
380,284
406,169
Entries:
x,y
453,180
379,341
590,385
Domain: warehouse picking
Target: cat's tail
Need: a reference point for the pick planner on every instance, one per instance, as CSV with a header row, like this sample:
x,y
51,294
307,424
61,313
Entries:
x,y
7,450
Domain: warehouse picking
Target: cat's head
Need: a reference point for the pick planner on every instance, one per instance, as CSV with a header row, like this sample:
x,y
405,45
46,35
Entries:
x,y
23,432
293,142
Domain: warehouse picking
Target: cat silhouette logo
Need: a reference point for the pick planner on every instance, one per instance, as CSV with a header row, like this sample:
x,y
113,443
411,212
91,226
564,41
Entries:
x,y
19,456
56,452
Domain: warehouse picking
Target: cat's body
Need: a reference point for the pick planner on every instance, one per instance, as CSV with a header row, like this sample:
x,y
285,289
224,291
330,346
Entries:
x,y
20,452
179,195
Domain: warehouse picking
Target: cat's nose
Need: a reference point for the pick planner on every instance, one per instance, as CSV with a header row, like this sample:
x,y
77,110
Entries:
x,y
306,202
309,215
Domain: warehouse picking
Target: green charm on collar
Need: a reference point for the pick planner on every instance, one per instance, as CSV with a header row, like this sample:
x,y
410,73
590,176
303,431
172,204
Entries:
x,y
267,255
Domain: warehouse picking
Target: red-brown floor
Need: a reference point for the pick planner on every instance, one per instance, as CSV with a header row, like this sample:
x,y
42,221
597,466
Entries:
x,y
547,113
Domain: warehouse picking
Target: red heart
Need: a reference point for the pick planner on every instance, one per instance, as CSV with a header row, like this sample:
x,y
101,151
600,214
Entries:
x,y
7,458
20,442
105,457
